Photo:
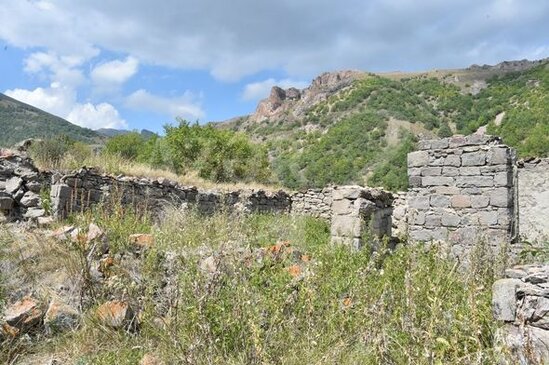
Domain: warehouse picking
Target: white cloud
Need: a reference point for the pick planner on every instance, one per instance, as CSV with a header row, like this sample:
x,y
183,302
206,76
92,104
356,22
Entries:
x,y
61,101
261,89
241,37
55,99
186,106
62,69
114,72
103,115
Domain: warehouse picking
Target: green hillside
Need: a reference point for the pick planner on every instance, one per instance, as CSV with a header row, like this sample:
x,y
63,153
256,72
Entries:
x,y
363,133
19,121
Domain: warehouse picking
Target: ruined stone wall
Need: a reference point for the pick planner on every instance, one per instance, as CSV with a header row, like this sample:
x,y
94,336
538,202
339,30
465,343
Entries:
x,y
461,192
313,202
520,302
359,213
533,200
78,191
20,186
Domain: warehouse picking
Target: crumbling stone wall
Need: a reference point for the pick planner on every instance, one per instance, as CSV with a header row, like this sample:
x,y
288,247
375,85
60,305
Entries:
x,y
78,191
462,192
358,212
521,302
313,202
533,200
20,186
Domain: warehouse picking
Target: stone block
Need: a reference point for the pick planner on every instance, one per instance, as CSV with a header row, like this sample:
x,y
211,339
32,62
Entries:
x,y
344,207
469,171
13,184
474,181
457,141
419,202
440,201
450,219
440,234
414,171
347,192
414,181
503,179
30,199
488,218
431,171
464,236
418,158
498,156
438,144
432,220
452,160
345,226
504,301
420,235
460,201
447,190
450,171
500,197
479,201
437,181
473,159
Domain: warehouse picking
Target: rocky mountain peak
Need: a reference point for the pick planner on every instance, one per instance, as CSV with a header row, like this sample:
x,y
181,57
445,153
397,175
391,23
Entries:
x,y
296,102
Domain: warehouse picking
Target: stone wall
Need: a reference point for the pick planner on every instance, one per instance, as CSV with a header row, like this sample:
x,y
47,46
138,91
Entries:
x,y
20,186
462,192
533,199
521,302
78,191
352,211
313,202
357,212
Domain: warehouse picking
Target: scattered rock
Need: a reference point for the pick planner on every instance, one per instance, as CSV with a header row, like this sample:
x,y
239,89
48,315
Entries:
x,y
150,359
142,240
63,233
60,317
208,265
94,233
24,314
115,314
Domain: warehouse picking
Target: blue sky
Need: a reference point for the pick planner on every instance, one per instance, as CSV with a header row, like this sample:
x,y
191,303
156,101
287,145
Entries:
x,y
139,64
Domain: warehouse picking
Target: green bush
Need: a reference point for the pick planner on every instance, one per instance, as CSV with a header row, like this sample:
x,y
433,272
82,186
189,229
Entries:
x,y
128,145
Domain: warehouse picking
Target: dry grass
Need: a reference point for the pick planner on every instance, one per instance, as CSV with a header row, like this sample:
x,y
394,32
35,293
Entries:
x,y
115,165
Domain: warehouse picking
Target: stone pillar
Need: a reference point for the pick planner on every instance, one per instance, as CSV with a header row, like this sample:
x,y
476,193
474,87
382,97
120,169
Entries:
x,y
357,212
461,192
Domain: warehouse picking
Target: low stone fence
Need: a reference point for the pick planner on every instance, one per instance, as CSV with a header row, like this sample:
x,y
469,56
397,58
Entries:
x,y
521,302
352,211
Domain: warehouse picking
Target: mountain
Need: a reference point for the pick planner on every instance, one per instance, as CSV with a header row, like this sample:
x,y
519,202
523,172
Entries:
x,y
357,127
19,121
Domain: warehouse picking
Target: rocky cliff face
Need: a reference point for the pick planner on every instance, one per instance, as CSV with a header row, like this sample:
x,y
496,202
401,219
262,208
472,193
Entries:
x,y
294,103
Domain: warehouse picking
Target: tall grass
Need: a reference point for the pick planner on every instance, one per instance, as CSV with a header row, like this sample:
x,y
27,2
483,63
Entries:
x,y
281,294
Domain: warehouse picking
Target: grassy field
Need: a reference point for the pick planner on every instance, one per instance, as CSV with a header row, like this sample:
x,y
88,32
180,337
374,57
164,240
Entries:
x,y
274,292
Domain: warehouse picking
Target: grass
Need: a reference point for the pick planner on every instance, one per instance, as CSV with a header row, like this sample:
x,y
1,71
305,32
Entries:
x,y
116,165
280,294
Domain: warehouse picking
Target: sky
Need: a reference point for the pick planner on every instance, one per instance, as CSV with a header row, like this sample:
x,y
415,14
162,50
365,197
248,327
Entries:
x,y
134,64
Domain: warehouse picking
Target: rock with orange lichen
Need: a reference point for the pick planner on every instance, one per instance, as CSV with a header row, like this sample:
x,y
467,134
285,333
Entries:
x,y
25,314
116,314
142,240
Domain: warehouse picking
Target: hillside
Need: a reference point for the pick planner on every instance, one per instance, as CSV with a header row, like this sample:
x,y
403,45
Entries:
x,y
357,127
19,121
